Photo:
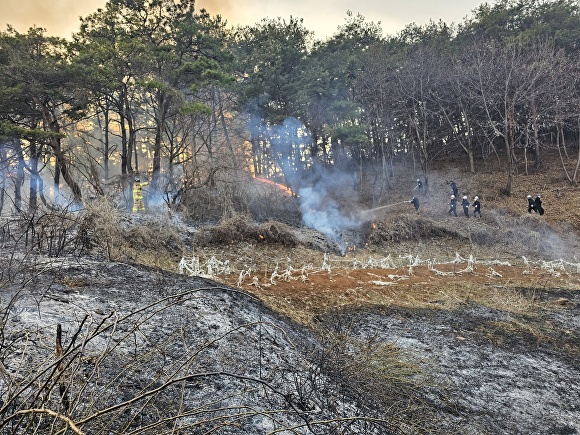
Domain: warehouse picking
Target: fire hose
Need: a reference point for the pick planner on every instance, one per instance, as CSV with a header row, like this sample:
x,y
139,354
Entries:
x,y
383,206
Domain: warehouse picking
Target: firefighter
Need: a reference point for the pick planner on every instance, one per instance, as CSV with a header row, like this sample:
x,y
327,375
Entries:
x,y
465,205
531,204
538,204
452,206
415,202
476,206
419,185
138,204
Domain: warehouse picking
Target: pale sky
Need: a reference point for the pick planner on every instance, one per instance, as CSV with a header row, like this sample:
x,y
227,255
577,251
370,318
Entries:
x,y
61,17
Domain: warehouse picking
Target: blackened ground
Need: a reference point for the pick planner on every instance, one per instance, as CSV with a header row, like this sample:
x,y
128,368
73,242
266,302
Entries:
x,y
501,373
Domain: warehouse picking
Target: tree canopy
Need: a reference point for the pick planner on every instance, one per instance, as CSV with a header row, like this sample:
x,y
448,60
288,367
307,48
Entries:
x,y
156,88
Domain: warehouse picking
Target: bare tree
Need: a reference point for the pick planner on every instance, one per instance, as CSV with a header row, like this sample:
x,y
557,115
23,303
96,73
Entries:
x,y
512,84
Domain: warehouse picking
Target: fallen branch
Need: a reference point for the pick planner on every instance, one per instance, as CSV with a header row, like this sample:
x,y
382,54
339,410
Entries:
x,y
71,424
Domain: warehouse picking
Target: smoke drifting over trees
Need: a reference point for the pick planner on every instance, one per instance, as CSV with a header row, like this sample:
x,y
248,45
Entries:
x,y
186,95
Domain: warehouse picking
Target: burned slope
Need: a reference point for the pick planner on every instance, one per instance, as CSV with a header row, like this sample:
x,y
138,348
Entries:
x,y
502,372
139,350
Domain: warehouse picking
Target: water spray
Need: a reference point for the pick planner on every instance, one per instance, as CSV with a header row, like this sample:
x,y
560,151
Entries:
x,y
365,212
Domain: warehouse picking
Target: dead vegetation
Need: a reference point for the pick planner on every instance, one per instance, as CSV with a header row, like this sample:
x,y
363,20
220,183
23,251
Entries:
x,y
241,228
244,196
362,368
504,262
401,228
156,242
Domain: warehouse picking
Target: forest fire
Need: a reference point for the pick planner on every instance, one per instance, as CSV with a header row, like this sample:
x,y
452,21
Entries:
x,y
280,186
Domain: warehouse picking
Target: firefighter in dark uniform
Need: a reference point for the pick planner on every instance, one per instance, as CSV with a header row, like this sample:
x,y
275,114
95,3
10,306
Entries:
x,y
415,202
531,204
538,204
465,205
454,188
476,206
453,206
419,185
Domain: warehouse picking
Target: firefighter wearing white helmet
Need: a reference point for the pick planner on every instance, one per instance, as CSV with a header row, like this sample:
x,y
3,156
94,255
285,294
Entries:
x,y
465,205
419,185
531,204
476,206
452,206
538,204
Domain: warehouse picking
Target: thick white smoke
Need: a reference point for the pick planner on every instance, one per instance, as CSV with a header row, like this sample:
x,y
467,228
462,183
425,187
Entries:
x,y
328,219
328,197
326,205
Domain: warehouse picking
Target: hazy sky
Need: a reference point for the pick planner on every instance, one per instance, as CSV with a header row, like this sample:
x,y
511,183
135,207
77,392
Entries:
x,y
61,17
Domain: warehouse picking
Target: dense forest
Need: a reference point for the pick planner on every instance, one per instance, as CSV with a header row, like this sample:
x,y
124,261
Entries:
x,y
157,89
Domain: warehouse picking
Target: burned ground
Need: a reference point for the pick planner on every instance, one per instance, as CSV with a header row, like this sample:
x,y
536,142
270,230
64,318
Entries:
x,y
409,323
148,351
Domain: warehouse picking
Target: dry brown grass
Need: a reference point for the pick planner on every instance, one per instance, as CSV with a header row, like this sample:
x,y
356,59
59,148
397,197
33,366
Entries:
x,y
403,227
156,242
505,232
102,226
75,282
241,228
244,196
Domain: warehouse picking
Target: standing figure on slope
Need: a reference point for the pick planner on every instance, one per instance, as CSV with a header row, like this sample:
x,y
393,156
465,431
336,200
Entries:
x,y
452,206
465,205
138,204
476,206
531,204
419,185
538,204
415,202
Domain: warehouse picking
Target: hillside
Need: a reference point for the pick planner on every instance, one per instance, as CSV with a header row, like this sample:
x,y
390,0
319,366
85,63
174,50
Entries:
x,y
408,323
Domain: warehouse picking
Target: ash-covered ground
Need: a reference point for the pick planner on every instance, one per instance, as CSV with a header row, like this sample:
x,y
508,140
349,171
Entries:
x,y
500,377
147,351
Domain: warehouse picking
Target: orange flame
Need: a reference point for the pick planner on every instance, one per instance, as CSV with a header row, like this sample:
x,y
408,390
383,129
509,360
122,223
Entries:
x,y
273,183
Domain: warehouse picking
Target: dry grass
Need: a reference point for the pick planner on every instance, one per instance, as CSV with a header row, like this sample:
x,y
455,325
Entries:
x,y
309,290
155,242
244,196
102,226
75,282
505,232
362,369
410,227
254,251
241,228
